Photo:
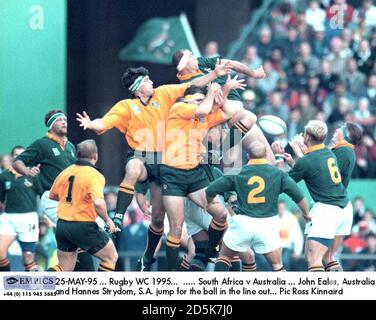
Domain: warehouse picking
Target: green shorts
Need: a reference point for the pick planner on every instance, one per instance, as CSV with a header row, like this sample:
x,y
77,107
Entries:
x,y
151,162
180,182
71,235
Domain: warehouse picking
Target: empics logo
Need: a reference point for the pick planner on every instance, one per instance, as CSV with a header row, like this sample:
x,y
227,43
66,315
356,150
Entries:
x,y
29,283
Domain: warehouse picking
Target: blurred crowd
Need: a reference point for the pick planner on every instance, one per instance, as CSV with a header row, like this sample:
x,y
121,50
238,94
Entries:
x,y
319,57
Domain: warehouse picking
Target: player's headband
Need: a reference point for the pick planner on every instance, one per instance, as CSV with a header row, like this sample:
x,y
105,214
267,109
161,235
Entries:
x,y
137,84
183,61
345,135
54,118
192,97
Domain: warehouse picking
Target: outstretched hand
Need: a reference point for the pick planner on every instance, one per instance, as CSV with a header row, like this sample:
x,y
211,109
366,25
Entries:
x,y
234,83
222,68
84,120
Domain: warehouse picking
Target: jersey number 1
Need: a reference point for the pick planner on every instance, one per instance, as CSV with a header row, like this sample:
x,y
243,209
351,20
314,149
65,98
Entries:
x,y
260,188
334,171
70,187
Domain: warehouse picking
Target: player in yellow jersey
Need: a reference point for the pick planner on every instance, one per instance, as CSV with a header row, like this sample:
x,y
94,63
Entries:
x,y
182,175
79,190
142,119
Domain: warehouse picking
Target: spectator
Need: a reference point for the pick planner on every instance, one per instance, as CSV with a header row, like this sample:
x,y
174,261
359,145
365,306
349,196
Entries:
x,y
365,158
369,264
359,209
211,49
260,98
337,57
298,79
318,45
314,15
279,64
276,106
306,108
290,45
265,44
311,63
370,93
251,59
368,223
363,116
364,57
327,79
316,94
295,124
354,79
5,162
269,83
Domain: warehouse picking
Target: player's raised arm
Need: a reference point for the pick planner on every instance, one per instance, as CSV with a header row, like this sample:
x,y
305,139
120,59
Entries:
x,y
87,123
206,105
240,67
221,69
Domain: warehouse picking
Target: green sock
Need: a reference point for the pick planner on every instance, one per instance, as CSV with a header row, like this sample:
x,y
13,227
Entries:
x,y
216,231
84,262
154,236
124,199
222,264
56,268
172,253
236,264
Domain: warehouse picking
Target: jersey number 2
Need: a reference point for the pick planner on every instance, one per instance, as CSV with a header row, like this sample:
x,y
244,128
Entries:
x,y
334,171
70,187
254,192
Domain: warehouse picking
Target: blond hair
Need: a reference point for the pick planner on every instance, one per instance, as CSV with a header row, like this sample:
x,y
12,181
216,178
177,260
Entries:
x,y
316,129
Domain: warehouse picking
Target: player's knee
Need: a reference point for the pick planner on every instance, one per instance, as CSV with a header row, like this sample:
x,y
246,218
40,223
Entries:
x,y
28,257
220,216
157,218
133,170
248,118
176,231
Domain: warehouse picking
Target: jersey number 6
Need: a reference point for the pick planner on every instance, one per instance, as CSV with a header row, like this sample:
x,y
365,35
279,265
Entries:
x,y
334,171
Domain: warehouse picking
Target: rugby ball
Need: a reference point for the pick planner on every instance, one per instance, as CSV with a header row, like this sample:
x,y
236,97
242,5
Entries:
x,y
272,125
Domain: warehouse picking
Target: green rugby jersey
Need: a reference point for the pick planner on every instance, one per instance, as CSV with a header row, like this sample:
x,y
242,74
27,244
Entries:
x,y
258,186
321,174
52,157
206,65
19,192
345,154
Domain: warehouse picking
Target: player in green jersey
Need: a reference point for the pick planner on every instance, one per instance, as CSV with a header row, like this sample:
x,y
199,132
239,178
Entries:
x,y
258,186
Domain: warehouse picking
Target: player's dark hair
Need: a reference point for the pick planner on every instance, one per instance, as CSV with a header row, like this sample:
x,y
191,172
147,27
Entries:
x,y
131,74
194,89
355,132
15,148
87,150
49,114
176,57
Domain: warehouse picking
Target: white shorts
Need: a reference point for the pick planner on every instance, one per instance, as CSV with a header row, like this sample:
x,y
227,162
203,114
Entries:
x,y
196,218
260,233
49,207
25,226
329,221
